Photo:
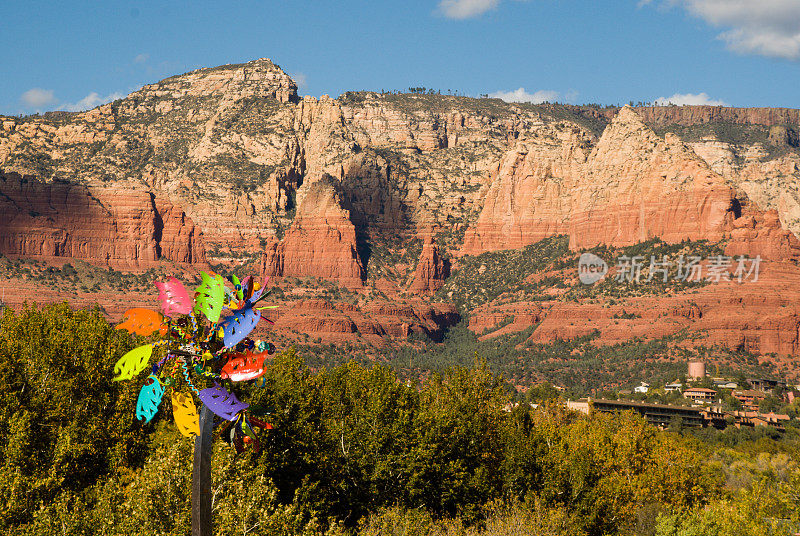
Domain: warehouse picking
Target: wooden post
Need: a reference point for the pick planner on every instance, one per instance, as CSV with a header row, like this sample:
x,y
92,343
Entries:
x,y
201,476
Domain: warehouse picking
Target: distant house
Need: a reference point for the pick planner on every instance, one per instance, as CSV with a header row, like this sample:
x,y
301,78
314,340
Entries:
x,y
508,408
674,386
760,384
661,415
642,388
664,415
749,397
511,406
726,385
754,418
775,418
581,405
700,394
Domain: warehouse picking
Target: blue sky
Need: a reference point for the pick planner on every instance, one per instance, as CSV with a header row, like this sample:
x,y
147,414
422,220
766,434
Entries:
x,y
74,55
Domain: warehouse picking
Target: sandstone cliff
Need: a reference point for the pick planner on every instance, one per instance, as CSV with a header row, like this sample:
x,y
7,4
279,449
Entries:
x,y
431,271
118,227
321,241
693,115
632,186
233,145
229,163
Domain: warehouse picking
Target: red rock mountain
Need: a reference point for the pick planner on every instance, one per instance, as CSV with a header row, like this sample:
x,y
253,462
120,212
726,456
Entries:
x,y
432,270
632,186
321,241
114,226
385,196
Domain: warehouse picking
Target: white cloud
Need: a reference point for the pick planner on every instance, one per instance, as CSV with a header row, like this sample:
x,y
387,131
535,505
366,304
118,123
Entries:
x,y
465,9
764,27
141,58
520,95
300,79
38,97
693,99
571,95
91,100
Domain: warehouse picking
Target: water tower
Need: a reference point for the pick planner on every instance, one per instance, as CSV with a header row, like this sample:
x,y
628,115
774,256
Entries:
x,y
697,370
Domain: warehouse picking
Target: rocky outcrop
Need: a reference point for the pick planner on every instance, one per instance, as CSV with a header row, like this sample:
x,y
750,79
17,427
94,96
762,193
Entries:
x,y
491,320
633,186
770,183
694,115
431,271
114,227
233,146
376,323
321,241
257,78
756,233
210,141
756,316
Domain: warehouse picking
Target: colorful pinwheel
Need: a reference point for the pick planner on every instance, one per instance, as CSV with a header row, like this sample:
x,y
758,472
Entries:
x,y
201,347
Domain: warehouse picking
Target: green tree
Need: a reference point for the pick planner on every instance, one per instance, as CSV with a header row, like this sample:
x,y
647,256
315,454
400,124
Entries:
x,y
63,423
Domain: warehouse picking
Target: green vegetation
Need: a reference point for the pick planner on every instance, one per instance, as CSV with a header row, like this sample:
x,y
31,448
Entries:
x,y
80,275
733,133
64,424
650,250
482,278
517,274
391,257
417,103
586,116
579,364
357,451
28,157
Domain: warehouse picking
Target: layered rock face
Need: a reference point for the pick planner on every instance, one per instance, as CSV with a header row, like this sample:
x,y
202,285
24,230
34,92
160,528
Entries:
x,y
768,174
229,162
321,241
761,316
258,78
693,115
376,323
512,317
209,142
757,233
118,228
431,271
233,145
633,186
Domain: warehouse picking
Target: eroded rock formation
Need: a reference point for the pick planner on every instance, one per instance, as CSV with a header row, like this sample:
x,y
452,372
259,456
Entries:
x,y
229,163
431,271
631,187
321,241
121,228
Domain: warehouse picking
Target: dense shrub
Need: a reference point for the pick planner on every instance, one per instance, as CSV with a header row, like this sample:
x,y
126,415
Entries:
x,y
354,449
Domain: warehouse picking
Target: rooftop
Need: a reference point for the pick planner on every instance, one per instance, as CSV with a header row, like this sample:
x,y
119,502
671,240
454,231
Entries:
x,y
750,392
642,404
